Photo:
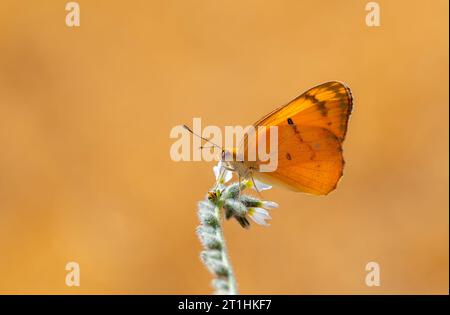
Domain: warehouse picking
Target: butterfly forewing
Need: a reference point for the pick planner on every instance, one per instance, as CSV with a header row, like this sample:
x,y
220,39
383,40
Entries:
x,y
328,106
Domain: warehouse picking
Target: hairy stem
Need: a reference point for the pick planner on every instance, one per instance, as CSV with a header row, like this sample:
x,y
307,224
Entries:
x,y
225,257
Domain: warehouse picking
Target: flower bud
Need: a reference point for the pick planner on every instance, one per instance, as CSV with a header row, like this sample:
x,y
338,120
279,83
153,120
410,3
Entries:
x,y
250,201
231,191
235,207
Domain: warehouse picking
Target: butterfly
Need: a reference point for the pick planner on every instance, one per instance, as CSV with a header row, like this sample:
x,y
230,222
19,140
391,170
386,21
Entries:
x,y
311,130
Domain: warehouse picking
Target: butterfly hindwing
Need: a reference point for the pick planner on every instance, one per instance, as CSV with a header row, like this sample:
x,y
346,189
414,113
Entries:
x,y
309,160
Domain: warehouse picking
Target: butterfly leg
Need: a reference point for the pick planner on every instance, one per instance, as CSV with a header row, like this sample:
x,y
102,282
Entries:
x,y
256,187
239,181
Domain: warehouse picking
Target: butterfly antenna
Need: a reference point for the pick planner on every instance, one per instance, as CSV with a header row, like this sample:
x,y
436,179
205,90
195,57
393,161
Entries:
x,y
206,147
207,140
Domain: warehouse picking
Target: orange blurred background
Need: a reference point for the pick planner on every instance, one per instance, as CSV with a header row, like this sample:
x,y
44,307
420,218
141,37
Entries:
x,y
85,171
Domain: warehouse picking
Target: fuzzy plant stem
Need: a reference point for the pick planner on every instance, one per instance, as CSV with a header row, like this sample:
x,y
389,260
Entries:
x,y
215,254
232,287
226,202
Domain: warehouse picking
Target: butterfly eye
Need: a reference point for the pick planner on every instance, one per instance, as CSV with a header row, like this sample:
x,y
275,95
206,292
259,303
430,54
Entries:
x,y
227,156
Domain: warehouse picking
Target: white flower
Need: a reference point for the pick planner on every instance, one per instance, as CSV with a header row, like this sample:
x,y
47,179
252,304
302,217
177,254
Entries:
x,y
259,215
222,174
269,204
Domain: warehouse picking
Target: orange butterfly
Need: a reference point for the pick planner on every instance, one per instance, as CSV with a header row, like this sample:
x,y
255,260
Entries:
x,y
311,129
